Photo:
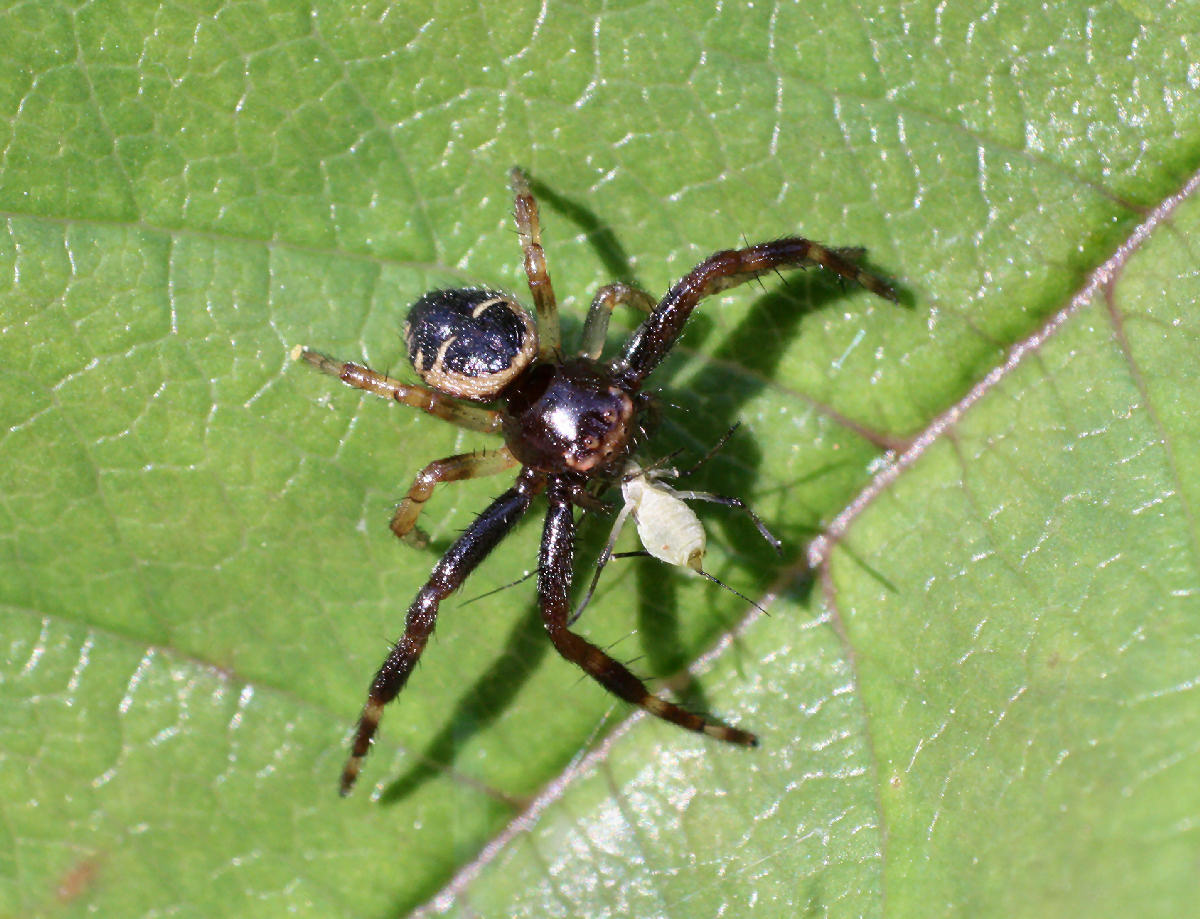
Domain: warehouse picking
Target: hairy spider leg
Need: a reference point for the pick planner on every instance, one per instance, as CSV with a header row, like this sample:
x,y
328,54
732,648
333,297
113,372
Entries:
x,y
721,271
471,417
525,210
439,472
607,299
554,586
471,548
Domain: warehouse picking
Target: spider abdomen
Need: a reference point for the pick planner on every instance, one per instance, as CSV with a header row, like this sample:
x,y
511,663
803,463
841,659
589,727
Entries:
x,y
569,417
469,343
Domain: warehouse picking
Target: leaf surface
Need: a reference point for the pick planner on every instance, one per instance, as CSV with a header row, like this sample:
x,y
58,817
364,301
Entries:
x,y
983,703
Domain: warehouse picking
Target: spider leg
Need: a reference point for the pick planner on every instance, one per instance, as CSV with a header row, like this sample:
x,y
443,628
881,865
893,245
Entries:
x,y
525,210
554,585
721,271
450,469
471,548
607,299
427,400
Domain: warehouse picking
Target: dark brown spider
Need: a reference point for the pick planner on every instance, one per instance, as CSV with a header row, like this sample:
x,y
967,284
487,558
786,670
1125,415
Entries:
x,y
567,422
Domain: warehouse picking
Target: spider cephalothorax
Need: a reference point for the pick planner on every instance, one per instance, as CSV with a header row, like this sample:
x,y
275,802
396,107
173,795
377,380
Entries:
x,y
566,421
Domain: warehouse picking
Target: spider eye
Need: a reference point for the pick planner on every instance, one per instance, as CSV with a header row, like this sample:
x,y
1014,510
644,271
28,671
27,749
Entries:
x,y
469,343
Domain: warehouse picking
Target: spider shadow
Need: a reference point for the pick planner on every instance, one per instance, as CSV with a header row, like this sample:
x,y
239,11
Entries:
x,y
598,233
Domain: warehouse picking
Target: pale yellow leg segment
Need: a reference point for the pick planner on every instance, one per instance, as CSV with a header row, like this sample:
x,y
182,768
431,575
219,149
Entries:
x,y
450,469
368,723
525,210
441,406
607,299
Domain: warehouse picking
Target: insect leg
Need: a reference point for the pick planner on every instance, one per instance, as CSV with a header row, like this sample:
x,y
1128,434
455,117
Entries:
x,y
740,505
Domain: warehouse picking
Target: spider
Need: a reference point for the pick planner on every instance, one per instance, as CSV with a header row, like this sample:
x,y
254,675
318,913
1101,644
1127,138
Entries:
x,y
569,422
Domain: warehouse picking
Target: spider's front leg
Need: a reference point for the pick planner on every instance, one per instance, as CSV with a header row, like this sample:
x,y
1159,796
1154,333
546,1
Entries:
x,y
471,548
554,586
439,472
721,271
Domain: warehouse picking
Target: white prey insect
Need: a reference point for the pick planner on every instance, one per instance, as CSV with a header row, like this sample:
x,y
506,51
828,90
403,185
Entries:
x,y
668,529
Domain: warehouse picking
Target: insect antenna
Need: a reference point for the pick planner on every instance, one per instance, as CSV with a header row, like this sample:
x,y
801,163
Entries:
x,y
734,592
643,552
713,451
495,590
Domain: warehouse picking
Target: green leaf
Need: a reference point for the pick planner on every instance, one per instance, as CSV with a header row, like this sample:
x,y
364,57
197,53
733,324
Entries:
x,y
982,704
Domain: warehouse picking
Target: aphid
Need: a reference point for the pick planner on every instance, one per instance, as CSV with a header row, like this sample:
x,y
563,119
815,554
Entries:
x,y
669,530
568,421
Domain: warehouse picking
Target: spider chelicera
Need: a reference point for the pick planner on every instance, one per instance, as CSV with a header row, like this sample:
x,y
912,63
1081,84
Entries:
x,y
569,422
